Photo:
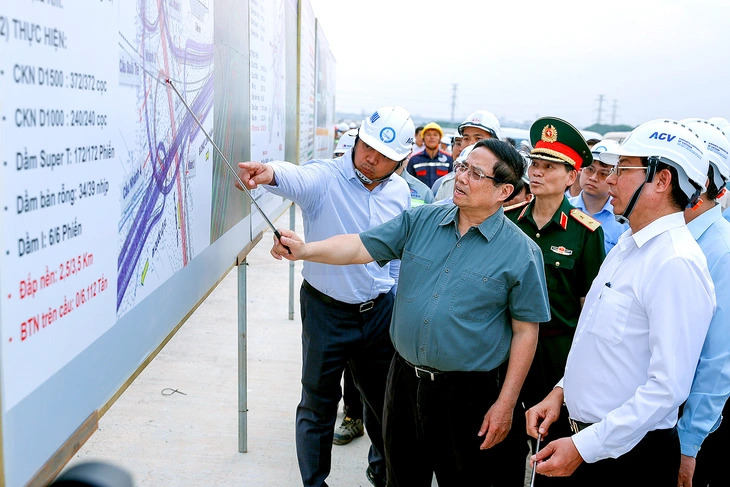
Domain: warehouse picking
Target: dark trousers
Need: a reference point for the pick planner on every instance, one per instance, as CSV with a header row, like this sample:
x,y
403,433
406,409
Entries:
x,y
654,461
711,469
546,370
351,396
431,427
333,336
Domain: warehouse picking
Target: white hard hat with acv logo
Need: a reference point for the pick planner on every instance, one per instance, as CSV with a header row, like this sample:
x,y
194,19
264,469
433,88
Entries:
x,y
389,131
484,120
672,143
717,145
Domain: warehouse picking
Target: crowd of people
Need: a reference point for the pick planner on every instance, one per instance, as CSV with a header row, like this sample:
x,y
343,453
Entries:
x,y
564,301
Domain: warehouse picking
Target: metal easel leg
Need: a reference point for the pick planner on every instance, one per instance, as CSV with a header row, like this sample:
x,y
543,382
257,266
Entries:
x,y
242,372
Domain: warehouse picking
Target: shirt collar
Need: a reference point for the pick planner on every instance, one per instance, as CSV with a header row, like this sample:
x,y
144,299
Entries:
x,y
560,217
488,228
450,216
580,203
699,225
657,227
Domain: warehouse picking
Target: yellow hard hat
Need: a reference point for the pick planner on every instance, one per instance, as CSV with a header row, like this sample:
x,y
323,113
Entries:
x,y
433,126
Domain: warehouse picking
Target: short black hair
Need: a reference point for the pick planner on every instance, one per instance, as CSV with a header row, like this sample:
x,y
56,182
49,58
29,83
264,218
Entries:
x,y
712,190
518,189
419,129
679,198
509,167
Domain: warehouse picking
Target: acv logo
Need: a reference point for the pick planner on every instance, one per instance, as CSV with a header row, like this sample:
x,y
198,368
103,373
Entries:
x,y
663,136
387,135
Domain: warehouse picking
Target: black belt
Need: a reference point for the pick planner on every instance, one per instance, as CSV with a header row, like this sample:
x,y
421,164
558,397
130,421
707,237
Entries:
x,y
359,307
578,426
423,372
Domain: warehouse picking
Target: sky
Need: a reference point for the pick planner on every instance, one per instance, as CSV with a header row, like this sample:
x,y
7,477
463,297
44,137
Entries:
x,y
524,59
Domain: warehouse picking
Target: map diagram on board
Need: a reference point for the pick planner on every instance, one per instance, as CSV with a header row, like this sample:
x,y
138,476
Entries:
x,y
268,91
166,158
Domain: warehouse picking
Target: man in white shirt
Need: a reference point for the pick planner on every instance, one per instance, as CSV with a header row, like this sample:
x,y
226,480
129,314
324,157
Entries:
x,y
642,326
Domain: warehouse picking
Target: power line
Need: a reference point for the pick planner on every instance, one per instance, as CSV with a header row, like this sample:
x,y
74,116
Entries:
x,y
454,86
600,109
613,112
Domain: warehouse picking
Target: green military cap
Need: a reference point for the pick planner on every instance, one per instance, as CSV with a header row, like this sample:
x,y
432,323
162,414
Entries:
x,y
554,139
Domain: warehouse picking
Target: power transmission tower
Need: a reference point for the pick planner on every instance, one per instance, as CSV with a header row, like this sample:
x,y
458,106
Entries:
x,y
613,112
600,109
453,99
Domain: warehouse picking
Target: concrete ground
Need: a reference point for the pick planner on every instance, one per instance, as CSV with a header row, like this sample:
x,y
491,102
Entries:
x,y
191,438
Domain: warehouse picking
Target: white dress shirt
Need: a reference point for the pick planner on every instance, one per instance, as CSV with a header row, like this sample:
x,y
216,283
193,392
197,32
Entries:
x,y
638,338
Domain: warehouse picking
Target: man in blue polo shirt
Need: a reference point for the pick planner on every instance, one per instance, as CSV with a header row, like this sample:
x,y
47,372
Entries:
x,y
471,292
594,199
345,310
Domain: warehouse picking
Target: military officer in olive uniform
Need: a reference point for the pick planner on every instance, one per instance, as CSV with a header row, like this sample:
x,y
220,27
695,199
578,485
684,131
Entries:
x,y
573,249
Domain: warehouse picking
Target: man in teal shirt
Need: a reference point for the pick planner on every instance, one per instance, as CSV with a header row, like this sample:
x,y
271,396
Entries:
x,y
472,290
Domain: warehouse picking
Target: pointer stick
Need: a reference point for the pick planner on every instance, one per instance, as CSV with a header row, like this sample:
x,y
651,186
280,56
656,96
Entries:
x,y
534,467
253,200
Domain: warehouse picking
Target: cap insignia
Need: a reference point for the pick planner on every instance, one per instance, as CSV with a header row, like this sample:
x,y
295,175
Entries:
x,y
549,134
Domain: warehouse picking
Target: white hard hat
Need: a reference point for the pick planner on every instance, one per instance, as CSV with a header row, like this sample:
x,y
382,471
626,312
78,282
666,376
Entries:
x,y
389,130
352,125
456,136
446,139
718,148
720,122
465,153
605,145
342,126
484,120
672,143
346,142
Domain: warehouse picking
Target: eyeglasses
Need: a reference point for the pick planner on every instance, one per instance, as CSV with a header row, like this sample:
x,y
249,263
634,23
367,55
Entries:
x,y
618,169
601,175
474,173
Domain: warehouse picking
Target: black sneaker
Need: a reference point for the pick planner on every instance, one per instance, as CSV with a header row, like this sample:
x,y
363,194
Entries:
x,y
348,430
375,480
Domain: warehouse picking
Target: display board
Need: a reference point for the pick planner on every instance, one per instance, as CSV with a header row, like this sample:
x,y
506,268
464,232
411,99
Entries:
x,y
118,215
307,80
267,81
324,139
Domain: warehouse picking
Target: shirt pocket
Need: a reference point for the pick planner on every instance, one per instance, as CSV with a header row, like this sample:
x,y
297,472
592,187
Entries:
x,y
414,269
475,296
611,315
558,268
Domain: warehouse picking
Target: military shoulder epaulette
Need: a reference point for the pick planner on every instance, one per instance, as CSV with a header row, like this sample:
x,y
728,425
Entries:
x,y
515,206
585,219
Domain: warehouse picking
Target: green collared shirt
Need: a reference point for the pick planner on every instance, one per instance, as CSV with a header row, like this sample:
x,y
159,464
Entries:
x,y
457,293
572,252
